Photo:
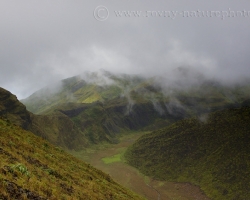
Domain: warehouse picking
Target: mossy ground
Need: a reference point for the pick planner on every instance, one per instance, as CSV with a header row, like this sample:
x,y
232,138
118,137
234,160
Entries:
x,y
113,158
31,168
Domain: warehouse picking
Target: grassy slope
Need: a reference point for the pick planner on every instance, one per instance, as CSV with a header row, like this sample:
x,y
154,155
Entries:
x,y
214,154
32,168
203,95
103,122
110,159
77,90
58,129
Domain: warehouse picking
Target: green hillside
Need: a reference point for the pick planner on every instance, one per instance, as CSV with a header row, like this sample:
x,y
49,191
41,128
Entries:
x,y
57,127
164,95
32,168
99,106
211,151
86,89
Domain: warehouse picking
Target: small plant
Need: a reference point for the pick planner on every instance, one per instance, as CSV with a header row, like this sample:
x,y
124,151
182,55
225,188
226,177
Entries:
x,y
46,146
59,149
11,143
21,168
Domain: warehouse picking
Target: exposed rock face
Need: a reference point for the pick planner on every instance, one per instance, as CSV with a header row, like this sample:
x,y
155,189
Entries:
x,y
13,110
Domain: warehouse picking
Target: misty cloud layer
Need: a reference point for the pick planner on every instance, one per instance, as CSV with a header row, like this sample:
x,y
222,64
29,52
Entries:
x,y
44,41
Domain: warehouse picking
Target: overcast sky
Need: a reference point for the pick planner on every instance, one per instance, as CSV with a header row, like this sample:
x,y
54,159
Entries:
x,y
44,41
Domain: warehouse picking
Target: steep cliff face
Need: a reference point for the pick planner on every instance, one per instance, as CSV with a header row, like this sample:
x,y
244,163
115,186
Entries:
x,y
13,110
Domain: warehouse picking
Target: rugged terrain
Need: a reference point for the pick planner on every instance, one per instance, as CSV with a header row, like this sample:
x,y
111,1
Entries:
x,y
97,107
32,168
188,144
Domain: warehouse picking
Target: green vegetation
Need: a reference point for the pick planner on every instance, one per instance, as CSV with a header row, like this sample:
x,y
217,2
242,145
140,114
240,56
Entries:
x,y
58,129
21,168
77,113
211,151
99,107
32,168
80,112
130,177
112,159
115,158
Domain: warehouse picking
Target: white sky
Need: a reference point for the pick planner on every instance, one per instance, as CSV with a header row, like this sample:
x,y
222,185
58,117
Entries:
x,y
45,41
